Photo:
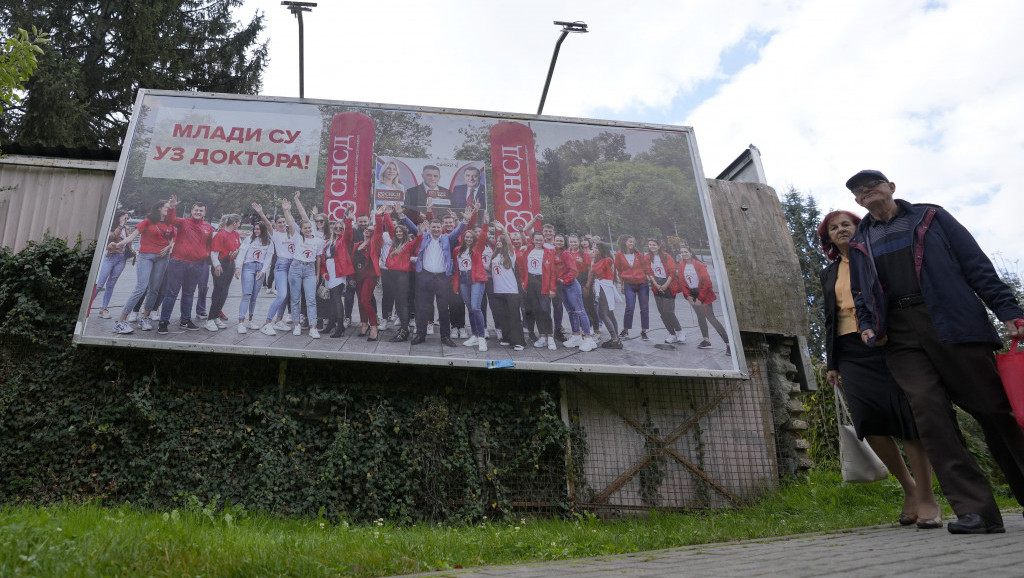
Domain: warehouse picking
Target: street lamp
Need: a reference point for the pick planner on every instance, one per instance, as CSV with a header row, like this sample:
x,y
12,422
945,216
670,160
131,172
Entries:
x,y
567,27
297,8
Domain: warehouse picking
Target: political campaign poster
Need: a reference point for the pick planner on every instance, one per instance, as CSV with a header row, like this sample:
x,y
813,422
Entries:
x,y
397,234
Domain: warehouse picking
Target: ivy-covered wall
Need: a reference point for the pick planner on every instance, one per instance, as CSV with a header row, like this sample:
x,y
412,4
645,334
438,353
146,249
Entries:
x,y
359,441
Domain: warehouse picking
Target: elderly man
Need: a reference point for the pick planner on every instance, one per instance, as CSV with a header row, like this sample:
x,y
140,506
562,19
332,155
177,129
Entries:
x,y
916,275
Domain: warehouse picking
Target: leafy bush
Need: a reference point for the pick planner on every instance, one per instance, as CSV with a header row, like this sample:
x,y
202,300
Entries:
x,y
343,440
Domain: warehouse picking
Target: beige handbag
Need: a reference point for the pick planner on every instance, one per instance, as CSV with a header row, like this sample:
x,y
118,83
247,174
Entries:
x,y
859,462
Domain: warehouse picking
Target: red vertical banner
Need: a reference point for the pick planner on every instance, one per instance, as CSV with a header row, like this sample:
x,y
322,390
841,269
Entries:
x,y
514,171
349,165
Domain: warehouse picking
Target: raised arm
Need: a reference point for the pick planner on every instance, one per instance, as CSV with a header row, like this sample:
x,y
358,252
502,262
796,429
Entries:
x,y
298,206
263,218
286,208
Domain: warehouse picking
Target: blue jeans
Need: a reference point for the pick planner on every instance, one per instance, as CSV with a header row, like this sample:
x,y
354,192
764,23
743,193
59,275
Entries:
x,y
302,281
149,272
250,288
572,297
203,287
643,291
110,270
473,295
184,277
281,284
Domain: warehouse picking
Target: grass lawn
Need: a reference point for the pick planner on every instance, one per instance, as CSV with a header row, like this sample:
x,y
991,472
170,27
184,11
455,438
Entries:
x,y
92,540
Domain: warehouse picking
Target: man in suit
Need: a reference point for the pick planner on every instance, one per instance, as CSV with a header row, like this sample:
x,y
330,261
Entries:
x,y
417,196
465,195
434,267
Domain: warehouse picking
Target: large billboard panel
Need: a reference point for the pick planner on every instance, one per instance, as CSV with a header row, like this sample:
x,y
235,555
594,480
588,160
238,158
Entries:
x,y
595,248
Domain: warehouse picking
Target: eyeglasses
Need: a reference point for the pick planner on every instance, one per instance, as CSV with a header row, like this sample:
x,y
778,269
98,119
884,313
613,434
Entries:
x,y
858,190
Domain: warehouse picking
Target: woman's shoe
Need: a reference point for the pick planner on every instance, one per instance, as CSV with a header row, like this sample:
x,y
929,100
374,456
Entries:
x,y
931,524
364,332
907,519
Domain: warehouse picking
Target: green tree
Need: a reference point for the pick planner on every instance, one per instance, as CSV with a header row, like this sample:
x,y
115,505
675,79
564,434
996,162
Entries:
x,y
19,57
103,51
555,167
640,199
802,218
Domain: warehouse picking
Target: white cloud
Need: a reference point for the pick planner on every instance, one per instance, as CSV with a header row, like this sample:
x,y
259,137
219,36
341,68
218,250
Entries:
x,y
928,92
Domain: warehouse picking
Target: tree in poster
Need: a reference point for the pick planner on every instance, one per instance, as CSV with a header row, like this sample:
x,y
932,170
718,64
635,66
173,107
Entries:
x,y
103,51
632,198
555,167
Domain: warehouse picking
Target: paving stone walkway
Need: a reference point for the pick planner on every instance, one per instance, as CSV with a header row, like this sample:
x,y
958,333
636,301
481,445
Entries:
x,y
863,552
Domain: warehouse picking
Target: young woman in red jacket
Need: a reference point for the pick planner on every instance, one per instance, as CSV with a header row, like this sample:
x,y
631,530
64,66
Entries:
x,y
472,281
695,284
405,242
336,268
505,301
223,250
365,258
566,273
539,282
662,274
632,269
602,276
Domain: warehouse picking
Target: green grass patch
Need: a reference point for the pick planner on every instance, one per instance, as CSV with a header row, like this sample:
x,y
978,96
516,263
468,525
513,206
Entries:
x,y
222,540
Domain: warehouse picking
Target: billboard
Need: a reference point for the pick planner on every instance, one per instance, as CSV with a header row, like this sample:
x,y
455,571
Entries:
x,y
393,234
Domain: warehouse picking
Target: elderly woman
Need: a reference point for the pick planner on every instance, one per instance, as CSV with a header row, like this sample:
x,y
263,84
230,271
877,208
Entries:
x,y
880,409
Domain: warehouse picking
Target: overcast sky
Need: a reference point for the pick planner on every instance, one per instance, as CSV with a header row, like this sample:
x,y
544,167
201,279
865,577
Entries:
x,y
929,92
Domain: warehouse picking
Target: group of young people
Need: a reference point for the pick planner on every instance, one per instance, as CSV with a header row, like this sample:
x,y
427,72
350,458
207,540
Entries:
x,y
434,273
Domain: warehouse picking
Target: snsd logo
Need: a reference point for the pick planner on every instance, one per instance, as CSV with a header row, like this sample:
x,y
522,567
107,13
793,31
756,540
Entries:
x,y
307,254
257,254
534,264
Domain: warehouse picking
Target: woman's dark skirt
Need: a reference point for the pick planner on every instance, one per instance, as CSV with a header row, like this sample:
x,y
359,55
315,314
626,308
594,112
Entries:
x,y
878,405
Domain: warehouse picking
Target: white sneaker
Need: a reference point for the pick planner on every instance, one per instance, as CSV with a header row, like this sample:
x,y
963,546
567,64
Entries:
x,y
253,324
383,326
481,345
588,344
463,333
680,337
517,348
241,328
210,325
286,318
471,341
267,329
393,319
314,333
122,328
220,323
297,330
282,326
551,343
272,291
145,324
132,317
574,341
430,329
541,342
670,339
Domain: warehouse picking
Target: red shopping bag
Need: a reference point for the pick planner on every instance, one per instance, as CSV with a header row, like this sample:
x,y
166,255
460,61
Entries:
x,y
1011,370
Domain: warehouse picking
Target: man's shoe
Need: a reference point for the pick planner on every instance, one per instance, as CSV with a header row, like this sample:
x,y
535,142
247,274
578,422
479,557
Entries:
x,y
339,330
471,341
418,339
617,344
974,524
447,342
162,328
481,345
191,326
402,335
211,326
221,325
